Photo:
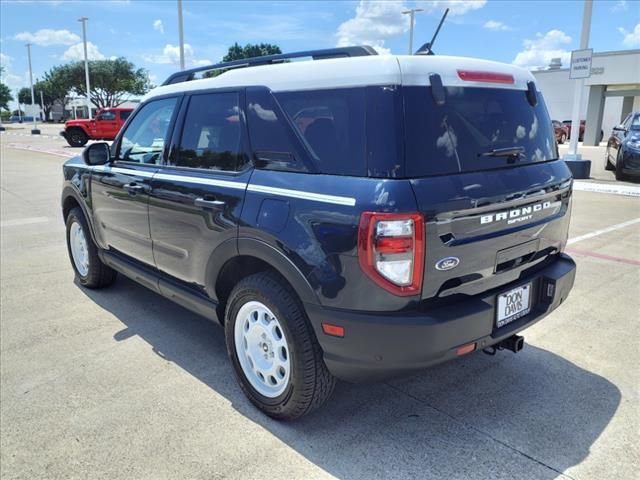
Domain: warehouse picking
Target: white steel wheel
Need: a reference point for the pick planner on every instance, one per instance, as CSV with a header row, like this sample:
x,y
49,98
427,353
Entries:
x,y
262,349
79,248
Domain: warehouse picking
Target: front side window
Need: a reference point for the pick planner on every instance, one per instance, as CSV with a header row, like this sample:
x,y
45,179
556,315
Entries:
x,y
107,116
212,133
124,114
144,139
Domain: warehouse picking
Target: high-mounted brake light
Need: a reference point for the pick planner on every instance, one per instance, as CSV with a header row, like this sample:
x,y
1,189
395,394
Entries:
x,y
391,250
489,77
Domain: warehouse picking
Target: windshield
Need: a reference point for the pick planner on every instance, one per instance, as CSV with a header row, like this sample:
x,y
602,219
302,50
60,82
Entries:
x,y
475,129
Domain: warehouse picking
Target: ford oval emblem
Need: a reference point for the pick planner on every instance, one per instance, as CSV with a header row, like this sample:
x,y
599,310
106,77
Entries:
x,y
447,263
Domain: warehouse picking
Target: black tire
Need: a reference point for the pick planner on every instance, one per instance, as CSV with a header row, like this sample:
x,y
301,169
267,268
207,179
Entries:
x,y
98,275
76,137
310,383
619,175
607,163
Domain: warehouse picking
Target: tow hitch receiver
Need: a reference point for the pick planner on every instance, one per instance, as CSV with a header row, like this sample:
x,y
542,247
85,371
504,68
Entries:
x,y
515,343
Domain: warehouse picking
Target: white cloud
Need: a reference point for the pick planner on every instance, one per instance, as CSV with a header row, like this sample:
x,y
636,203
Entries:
x,y
76,52
496,25
631,39
47,37
456,7
619,6
538,52
157,25
374,23
5,60
10,79
377,21
171,56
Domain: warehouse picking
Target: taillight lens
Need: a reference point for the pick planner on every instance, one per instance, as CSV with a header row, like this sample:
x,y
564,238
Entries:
x,y
391,250
489,77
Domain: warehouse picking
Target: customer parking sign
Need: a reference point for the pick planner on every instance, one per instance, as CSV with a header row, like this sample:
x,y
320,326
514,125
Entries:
x,y
581,63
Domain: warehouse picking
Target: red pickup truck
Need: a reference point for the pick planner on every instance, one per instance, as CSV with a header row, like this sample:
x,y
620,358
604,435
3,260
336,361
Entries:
x,y
105,126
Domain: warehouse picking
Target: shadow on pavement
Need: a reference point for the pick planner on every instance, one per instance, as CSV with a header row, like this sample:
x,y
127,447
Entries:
x,y
534,413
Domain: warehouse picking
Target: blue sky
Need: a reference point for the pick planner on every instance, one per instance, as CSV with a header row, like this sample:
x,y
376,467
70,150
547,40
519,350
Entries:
x,y
527,33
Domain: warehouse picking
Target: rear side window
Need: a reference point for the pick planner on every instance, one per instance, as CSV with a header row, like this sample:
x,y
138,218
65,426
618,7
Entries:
x,y
466,133
272,140
212,133
332,124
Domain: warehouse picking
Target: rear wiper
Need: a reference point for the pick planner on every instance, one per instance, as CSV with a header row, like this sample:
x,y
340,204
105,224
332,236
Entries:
x,y
513,152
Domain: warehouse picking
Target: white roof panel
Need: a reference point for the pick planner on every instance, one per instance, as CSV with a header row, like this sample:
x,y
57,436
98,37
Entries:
x,y
352,72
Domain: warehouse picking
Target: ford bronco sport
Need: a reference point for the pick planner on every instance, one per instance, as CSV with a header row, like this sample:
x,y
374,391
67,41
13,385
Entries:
x,y
356,216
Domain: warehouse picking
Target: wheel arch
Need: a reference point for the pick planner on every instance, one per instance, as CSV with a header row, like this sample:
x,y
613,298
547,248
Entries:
x,y
230,263
72,199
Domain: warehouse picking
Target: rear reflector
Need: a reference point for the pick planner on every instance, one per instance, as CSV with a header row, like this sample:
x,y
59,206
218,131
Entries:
x,y
464,349
333,330
489,77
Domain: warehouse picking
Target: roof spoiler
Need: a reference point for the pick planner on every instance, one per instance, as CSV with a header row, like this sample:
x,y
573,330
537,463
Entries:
x,y
187,75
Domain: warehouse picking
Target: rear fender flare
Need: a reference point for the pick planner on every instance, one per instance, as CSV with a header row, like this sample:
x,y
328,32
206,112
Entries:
x,y
251,247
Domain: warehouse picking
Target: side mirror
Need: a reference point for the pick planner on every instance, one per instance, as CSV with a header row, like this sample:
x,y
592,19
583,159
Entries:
x,y
619,128
97,154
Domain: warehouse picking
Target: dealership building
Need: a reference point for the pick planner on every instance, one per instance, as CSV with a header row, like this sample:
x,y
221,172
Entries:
x,y
610,93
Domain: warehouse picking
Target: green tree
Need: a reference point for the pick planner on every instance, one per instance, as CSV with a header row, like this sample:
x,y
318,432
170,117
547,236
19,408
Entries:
x,y
236,52
5,94
111,81
24,96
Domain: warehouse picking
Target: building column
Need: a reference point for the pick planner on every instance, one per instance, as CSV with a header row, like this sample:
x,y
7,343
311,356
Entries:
x,y
627,107
595,110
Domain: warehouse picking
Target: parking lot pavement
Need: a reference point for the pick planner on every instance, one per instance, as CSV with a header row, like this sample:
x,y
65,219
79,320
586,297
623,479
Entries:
x,y
121,383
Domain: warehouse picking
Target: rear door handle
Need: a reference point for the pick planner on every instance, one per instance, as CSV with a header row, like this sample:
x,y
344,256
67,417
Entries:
x,y
213,204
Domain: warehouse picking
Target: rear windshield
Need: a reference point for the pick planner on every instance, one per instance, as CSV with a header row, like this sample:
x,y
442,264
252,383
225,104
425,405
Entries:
x,y
468,131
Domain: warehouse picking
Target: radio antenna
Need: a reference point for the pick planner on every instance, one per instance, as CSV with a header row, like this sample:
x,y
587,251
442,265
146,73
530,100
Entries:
x,y
427,48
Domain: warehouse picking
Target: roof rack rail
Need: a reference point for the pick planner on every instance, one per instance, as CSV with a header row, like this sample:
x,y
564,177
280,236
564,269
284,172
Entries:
x,y
187,75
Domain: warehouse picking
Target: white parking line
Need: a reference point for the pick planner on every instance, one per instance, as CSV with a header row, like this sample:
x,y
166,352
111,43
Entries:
x,y
23,221
628,190
602,231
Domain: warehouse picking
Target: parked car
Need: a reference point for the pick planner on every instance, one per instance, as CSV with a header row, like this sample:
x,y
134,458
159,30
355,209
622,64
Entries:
x,y
623,148
20,119
357,218
567,123
105,126
561,131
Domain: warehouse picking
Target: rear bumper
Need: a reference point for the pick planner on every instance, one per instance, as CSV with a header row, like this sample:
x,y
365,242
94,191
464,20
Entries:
x,y
380,346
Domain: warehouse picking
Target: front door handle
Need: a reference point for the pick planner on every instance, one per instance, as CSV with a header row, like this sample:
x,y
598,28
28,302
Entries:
x,y
133,187
213,204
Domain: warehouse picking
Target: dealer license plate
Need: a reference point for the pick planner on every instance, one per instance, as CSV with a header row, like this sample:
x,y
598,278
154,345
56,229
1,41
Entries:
x,y
513,304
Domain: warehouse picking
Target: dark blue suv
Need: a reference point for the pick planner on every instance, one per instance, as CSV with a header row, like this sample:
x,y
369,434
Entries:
x,y
355,216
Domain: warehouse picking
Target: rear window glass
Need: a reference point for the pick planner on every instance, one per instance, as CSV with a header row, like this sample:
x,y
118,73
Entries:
x,y
332,124
467,132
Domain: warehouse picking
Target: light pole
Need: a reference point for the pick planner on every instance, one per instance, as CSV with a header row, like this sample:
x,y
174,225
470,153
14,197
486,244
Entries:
x,y
181,34
34,130
42,105
412,15
86,63
579,85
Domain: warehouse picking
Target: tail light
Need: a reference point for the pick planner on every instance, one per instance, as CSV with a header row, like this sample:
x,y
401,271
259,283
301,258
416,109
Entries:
x,y
391,250
489,77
